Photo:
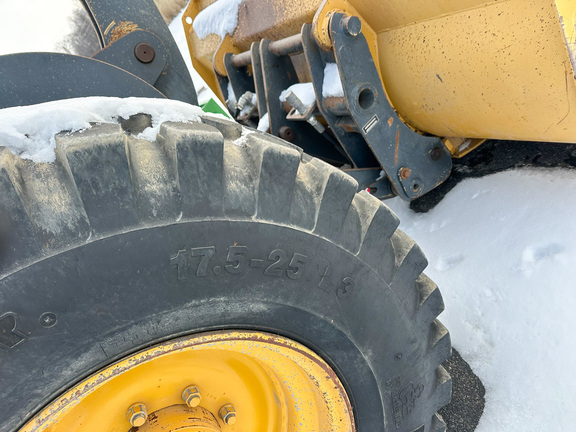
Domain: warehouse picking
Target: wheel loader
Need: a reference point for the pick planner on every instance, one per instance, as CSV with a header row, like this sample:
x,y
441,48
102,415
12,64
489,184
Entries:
x,y
219,278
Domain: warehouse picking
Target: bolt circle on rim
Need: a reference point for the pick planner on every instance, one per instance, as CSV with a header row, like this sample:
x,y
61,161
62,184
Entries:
x,y
252,380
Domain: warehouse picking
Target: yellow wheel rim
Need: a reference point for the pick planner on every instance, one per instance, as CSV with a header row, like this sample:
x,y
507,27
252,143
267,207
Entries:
x,y
212,382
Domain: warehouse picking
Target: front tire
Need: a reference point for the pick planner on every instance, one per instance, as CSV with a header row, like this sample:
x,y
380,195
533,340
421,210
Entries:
x,y
124,243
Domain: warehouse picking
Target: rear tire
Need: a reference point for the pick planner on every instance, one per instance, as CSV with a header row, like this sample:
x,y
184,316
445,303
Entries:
x,y
123,243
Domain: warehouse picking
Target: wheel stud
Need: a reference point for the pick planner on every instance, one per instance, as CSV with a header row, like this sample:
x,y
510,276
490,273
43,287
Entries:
x,y
137,414
228,414
191,395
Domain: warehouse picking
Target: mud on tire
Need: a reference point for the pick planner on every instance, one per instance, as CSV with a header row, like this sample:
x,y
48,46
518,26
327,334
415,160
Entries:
x,y
123,243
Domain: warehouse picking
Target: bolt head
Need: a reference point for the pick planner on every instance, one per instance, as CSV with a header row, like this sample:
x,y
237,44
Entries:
x,y
352,25
286,133
228,414
137,414
191,395
144,52
436,154
405,173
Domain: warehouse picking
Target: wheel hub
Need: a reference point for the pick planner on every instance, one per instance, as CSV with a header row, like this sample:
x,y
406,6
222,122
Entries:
x,y
180,418
210,382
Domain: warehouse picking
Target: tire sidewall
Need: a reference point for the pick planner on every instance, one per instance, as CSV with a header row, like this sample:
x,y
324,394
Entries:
x,y
128,291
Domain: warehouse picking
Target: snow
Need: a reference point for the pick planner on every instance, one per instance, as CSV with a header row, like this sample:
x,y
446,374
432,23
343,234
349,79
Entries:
x,y
220,18
332,86
264,123
231,95
29,131
502,250
241,142
304,91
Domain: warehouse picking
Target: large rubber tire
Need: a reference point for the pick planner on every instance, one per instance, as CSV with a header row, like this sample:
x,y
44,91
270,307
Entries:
x,y
123,243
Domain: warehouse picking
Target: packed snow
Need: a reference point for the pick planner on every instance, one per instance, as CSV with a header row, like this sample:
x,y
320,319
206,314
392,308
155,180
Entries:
x,y
501,248
264,123
29,131
304,92
220,18
332,86
231,95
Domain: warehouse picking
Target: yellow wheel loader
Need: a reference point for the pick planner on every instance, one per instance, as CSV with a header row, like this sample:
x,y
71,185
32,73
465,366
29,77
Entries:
x,y
220,278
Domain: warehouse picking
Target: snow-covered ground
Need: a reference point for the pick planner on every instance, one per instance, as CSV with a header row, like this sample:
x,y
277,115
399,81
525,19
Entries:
x,y
502,249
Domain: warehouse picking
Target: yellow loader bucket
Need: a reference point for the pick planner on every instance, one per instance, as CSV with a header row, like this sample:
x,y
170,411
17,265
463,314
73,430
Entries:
x,y
500,69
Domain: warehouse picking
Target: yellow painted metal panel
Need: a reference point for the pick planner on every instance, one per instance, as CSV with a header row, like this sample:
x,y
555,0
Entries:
x,y
501,71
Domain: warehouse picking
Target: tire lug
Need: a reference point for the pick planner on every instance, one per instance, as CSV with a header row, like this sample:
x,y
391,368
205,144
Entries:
x,y
228,414
191,395
137,414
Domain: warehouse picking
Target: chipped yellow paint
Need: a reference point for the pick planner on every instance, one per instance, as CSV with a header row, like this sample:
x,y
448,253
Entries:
x,y
274,384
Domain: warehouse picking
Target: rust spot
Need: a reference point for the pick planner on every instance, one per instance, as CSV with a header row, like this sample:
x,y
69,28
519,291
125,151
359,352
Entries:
x,y
122,29
390,122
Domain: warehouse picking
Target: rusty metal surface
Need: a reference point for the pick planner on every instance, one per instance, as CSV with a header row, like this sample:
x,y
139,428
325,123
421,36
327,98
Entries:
x,y
271,19
290,45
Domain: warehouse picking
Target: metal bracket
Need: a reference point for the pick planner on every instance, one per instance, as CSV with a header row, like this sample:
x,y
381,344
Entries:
x,y
353,144
279,74
140,58
114,19
415,164
32,78
240,81
123,54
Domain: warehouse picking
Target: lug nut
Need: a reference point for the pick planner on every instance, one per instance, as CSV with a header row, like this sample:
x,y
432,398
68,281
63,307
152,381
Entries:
x,y
228,414
137,414
352,25
191,395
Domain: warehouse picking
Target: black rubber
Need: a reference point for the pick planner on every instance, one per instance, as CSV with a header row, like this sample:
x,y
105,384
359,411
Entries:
x,y
123,243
